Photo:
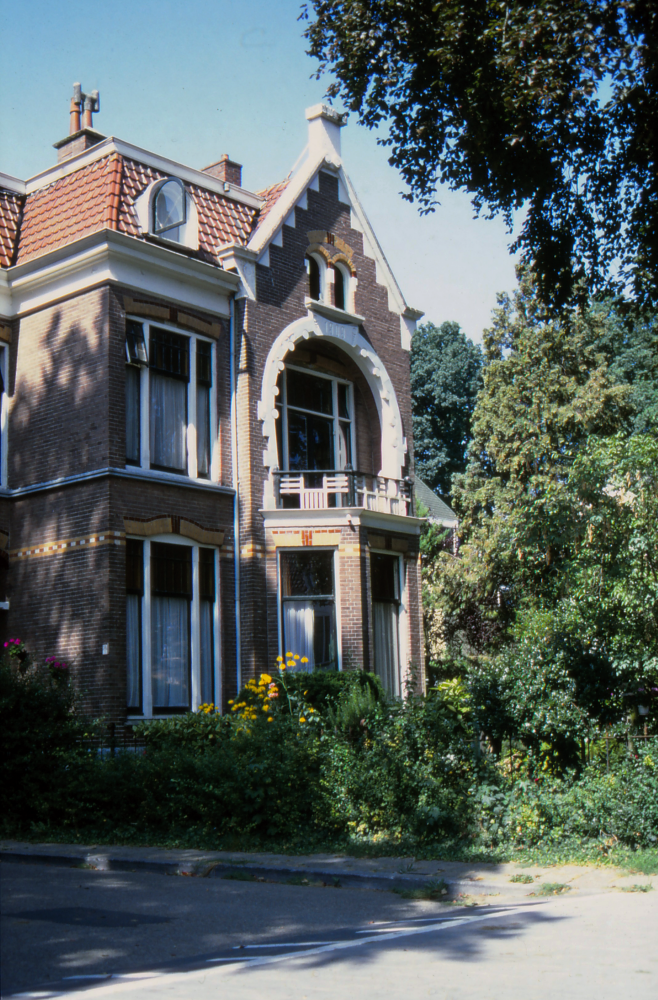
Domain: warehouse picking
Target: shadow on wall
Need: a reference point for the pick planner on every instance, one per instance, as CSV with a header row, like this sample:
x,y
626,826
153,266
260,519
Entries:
x,y
64,372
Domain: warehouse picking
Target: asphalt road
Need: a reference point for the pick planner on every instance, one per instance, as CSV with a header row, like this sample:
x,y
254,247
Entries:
x,y
145,935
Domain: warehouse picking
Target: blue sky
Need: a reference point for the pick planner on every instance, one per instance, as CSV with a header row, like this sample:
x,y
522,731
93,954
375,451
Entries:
x,y
195,80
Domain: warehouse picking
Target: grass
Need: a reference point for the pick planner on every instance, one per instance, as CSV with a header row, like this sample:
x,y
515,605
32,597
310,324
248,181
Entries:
x,y
524,879
578,852
434,889
638,888
552,889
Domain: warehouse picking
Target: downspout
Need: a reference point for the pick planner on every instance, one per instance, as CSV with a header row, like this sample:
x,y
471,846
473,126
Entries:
x,y
236,495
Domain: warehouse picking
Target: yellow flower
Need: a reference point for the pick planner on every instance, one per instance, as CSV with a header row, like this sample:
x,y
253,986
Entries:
x,y
302,719
311,710
304,659
282,667
266,708
279,659
270,720
288,655
265,679
231,702
290,663
295,657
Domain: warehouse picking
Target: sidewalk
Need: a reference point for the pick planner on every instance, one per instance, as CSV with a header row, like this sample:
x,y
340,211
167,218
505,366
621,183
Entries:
x,y
386,873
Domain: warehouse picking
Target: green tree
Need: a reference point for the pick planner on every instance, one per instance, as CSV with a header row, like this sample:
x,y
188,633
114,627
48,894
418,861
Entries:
x,y
547,390
550,106
445,380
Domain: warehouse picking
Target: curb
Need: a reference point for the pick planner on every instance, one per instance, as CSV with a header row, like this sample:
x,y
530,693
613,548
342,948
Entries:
x,y
265,873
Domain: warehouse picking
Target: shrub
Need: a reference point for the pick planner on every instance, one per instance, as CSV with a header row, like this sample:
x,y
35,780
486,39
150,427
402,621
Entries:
x,y
39,730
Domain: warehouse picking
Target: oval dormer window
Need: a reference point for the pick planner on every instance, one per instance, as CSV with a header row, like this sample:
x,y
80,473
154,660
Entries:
x,y
169,210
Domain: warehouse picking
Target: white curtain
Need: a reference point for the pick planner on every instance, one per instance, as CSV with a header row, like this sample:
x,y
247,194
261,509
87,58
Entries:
x,y
203,429
308,630
299,630
206,652
133,665
385,635
132,413
168,421
170,652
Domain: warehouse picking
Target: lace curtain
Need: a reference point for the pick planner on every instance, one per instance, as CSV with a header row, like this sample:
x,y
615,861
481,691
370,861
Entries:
x,y
170,652
168,420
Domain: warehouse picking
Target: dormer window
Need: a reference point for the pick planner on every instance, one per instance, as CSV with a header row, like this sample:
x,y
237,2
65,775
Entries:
x,y
169,214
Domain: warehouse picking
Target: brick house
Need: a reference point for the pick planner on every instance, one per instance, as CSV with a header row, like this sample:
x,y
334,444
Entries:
x,y
206,449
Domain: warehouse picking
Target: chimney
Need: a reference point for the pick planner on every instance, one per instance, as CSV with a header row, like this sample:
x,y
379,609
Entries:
x,y
81,135
324,125
225,170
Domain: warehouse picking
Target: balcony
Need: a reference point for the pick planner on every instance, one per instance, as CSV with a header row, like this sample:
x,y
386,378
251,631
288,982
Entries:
x,y
321,490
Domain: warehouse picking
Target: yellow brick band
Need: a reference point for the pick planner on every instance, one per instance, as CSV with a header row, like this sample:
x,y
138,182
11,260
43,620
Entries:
x,y
69,545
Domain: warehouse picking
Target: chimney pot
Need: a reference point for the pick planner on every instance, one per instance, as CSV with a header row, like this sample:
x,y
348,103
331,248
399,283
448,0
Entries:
x,y
81,135
226,170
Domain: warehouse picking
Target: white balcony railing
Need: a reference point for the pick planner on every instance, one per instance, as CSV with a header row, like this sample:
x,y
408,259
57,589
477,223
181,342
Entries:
x,y
310,490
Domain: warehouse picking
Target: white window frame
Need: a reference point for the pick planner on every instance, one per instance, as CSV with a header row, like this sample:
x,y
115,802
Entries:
x,y
191,437
144,208
195,623
4,416
348,285
326,276
337,419
337,597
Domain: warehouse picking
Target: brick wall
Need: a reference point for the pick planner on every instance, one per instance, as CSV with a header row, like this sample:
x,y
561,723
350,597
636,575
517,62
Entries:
x,y
281,289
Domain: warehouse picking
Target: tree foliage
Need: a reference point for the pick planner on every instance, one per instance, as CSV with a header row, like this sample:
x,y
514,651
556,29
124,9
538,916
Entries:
x,y
445,380
552,605
550,106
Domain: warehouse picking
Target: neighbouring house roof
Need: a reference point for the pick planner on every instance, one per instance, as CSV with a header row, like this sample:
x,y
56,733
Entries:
x,y
438,510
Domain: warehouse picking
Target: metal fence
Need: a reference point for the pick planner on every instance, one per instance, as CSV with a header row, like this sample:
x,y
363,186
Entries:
x,y
112,740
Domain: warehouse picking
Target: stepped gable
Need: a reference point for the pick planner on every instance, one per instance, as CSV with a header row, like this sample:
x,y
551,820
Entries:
x,y
11,205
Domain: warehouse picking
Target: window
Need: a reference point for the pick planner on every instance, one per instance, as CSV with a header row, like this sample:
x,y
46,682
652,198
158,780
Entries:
x,y
171,626
314,279
385,582
3,416
169,204
341,287
315,424
308,607
170,401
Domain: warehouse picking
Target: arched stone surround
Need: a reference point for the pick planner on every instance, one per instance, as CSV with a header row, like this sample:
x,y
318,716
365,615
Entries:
x,y
348,338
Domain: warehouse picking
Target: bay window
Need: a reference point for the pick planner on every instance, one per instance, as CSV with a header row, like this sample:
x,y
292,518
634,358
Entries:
x,y
308,608
170,401
171,626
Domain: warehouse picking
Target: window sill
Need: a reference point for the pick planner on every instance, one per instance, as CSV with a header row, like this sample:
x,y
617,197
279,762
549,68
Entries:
x,y
332,313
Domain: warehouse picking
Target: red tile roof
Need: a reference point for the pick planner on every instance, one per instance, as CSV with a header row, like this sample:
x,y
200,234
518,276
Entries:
x,y
270,195
68,209
102,195
10,215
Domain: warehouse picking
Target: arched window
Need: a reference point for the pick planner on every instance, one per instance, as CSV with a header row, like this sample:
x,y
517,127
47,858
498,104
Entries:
x,y
339,288
314,279
169,209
